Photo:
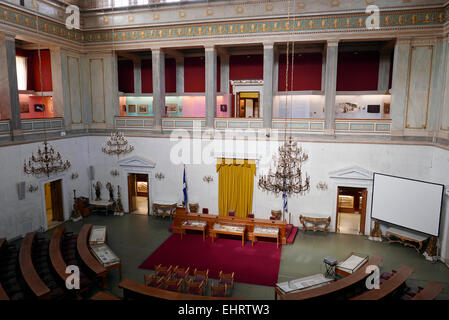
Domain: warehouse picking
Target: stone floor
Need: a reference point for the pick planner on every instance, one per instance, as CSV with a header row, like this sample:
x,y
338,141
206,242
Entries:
x,y
134,237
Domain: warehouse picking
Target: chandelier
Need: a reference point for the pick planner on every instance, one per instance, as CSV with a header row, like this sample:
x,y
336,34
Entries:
x,y
46,162
117,144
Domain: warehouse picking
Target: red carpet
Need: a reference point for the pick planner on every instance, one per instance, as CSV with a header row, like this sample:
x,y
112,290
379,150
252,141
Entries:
x,y
290,233
255,265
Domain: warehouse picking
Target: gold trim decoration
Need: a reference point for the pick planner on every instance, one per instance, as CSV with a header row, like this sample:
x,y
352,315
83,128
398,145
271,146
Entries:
x,y
209,11
268,7
156,16
130,18
412,49
105,20
35,4
239,9
368,2
301,5
182,13
334,3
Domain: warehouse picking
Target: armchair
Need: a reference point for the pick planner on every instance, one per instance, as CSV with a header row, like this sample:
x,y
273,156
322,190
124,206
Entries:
x,y
153,281
200,275
180,273
226,278
219,290
163,271
173,285
195,287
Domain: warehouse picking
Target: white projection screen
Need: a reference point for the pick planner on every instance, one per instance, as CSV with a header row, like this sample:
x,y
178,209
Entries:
x,y
408,203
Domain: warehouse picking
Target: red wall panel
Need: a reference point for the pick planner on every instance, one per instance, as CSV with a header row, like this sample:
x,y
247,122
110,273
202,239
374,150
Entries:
x,y
246,67
358,71
194,74
306,72
126,76
170,75
147,76
33,74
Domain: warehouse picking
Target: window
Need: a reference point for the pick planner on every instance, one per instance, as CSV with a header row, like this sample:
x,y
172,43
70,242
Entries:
x,y
21,67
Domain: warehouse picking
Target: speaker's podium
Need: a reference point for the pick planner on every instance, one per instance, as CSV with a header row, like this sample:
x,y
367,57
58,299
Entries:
x,y
83,206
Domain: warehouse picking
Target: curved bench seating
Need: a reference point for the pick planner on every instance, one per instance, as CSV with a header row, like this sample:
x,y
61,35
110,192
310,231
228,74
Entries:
x,y
55,253
3,294
430,292
29,273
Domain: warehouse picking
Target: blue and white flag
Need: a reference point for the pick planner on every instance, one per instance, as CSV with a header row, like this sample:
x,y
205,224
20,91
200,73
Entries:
x,y
184,184
285,198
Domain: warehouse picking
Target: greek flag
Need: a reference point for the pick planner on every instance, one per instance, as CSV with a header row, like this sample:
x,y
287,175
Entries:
x,y
284,197
184,184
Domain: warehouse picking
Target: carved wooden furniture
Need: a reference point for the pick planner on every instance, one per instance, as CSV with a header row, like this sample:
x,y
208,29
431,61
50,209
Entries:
x,y
29,273
406,238
153,281
134,290
335,289
376,232
101,206
229,229
276,214
196,225
211,219
394,283
219,290
200,275
180,273
226,278
315,223
267,232
89,260
430,292
173,285
193,207
195,287
103,296
163,271
164,210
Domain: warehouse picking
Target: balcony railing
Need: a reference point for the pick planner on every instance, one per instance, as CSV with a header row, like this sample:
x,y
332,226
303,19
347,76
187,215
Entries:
x,y
238,123
4,128
143,123
183,123
31,126
299,125
376,126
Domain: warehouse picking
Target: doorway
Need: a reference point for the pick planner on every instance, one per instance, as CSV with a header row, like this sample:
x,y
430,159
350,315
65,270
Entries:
x,y
351,210
54,211
248,105
138,193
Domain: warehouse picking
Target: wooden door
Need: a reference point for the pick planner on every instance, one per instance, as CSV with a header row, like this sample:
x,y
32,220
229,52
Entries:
x,y
56,200
339,190
131,192
363,211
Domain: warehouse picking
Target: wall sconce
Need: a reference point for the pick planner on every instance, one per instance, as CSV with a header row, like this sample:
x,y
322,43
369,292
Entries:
x,y
321,186
114,173
74,175
32,188
159,176
208,179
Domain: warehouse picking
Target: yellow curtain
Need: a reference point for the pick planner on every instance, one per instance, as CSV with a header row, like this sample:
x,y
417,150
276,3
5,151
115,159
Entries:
x,y
235,187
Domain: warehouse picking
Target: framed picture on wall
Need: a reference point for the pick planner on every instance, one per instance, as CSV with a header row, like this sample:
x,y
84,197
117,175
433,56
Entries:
x,y
223,107
132,108
142,108
386,107
124,108
24,108
172,108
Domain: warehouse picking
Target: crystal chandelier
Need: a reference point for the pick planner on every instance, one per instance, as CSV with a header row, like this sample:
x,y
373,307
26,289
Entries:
x,y
46,162
117,144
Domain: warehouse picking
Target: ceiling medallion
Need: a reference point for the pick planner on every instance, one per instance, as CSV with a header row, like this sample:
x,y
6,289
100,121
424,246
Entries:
x,y
117,144
46,162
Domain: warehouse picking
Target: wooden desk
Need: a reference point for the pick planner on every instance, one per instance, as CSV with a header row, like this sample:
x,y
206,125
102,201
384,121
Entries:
x,y
29,273
194,225
3,295
332,290
301,284
406,238
430,292
259,232
315,222
84,252
180,217
223,229
134,290
55,253
164,209
102,296
388,287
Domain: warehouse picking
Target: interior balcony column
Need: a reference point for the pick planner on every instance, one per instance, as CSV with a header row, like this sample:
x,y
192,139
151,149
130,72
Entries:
x,y
384,69
399,85
158,64
179,75
268,74
137,62
224,78
60,85
211,85
330,86
9,91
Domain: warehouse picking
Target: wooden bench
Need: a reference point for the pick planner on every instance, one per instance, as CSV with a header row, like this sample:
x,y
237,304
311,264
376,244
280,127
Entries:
x,y
388,287
134,290
88,259
430,292
101,295
3,294
29,273
55,253
333,289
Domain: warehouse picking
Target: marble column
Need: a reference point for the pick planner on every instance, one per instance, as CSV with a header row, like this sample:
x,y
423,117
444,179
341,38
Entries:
x,y
399,85
158,64
61,105
211,85
330,86
179,75
268,67
224,73
9,91
384,70
137,75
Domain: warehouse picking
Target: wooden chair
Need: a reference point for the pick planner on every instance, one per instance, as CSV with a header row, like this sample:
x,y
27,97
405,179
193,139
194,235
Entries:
x,y
205,210
195,287
220,290
200,275
226,278
251,215
163,271
173,285
153,281
193,207
277,214
180,273
231,213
